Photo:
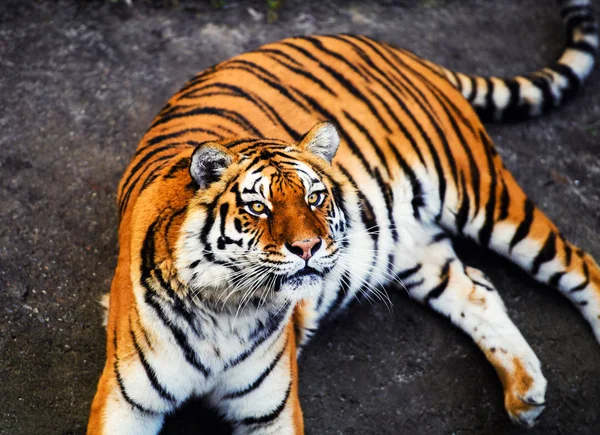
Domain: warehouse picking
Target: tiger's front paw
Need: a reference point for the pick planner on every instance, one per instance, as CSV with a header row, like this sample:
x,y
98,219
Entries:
x,y
524,391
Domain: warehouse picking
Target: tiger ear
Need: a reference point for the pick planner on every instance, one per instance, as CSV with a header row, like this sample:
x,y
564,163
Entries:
x,y
208,162
322,140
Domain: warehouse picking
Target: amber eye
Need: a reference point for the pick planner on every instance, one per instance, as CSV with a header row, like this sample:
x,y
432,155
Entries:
x,y
257,208
315,198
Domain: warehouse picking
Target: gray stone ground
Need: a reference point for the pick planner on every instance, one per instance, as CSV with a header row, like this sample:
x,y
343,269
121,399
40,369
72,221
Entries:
x,y
80,83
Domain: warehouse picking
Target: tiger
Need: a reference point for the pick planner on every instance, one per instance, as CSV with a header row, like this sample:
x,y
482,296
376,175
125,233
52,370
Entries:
x,y
277,187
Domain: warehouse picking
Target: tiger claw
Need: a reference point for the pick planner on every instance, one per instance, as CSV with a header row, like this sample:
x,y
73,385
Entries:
x,y
532,402
527,412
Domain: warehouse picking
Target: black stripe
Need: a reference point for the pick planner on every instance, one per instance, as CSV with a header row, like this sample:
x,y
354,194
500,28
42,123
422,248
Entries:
x,y
463,210
576,22
254,385
572,79
168,222
432,151
402,128
403,90
150,271
504,201
568,250
237,62
440,133
473,168
160,138
142,329
264,107
178,334
121,384
260,335
147,268
346,83
318,44
199,78
544,85
473,91
342,293
142,162
272,83
485,232
400,276
525,225
306,74
255,147
584,284
388,197
349,39
126,194
488,110
547,253
447,103
457,113
154,174
267,418
279,53
434,89
126,396
150,373
456,77
437,291
434,68
515,110
555,279
367,213
370,139
208,223
232,116
180,165
345,136
481,284
439,237
583,46
225,90
408,287
417,189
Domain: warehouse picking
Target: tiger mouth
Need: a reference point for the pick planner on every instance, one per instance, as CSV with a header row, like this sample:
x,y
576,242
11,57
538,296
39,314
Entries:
x,y
306,271
304,275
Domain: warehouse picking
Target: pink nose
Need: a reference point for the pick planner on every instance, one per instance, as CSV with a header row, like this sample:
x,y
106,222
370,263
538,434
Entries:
x,y
305,248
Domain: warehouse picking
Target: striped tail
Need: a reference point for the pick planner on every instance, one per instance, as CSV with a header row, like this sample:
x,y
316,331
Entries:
x,y
522,97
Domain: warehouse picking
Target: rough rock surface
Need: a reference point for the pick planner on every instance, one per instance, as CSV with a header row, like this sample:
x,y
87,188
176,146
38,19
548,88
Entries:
x,y
80,83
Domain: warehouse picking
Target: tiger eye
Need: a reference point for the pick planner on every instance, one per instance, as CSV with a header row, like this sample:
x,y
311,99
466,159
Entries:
x,y
313,198
257,207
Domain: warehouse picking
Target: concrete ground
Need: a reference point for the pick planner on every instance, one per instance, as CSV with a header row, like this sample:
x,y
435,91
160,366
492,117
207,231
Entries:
x,y
80,83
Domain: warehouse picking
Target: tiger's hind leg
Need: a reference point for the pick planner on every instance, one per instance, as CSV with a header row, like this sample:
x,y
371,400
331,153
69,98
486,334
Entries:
x,y
533,242
510,224
464,295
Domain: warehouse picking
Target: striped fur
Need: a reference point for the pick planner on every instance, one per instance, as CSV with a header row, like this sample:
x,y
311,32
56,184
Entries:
x,y
246,221
534,94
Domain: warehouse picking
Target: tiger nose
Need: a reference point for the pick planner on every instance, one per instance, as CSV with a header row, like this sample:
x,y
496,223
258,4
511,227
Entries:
x,y
305,248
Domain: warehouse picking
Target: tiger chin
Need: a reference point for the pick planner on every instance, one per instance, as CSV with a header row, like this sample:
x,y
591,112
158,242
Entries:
x,y
247,220
282,240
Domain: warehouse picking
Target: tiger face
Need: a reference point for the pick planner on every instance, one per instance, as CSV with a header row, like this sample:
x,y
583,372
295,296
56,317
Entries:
x,y
268,221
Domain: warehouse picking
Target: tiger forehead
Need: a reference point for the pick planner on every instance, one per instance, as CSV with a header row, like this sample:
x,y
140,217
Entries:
x,y
285,177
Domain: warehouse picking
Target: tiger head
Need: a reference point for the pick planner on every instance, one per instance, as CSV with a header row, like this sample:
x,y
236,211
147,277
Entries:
x,y
269,220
